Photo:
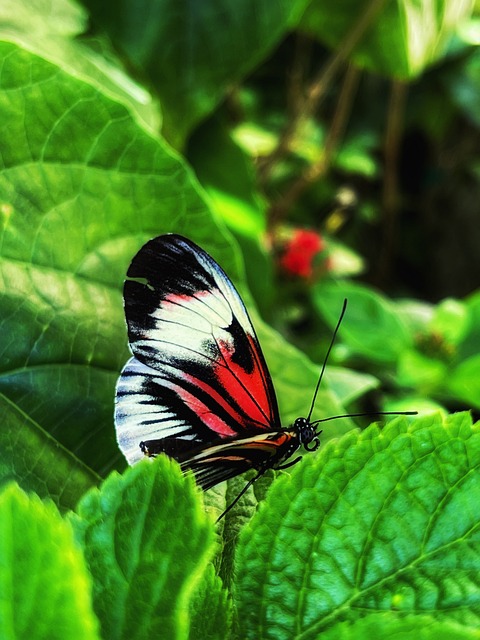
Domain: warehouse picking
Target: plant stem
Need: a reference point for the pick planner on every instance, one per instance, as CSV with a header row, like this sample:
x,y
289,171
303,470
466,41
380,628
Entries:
x,y
304,109
319,168
390,197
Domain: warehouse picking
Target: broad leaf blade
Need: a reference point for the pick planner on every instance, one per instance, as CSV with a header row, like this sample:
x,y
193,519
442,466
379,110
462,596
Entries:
x,y
147,541
44,583
209,48
378,521
38,462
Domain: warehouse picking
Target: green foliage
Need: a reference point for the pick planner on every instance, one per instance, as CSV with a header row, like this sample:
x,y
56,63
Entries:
x,y
377,527
193,72
367,309
421,351
389,40
69,228
38,462
210,609
147,541
376,534
44,583
376,531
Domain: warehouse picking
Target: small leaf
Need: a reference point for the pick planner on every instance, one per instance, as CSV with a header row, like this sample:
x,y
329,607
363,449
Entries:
x,y
225,172
420,371
38,462
464,381
450,320
147,541
371,326
378,521
44,583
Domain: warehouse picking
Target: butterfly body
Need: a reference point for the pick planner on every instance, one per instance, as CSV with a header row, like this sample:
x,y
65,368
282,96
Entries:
x,y
197,387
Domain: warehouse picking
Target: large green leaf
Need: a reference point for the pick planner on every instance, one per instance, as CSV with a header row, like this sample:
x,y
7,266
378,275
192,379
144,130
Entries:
x,y
38,462
398,39
378,521
49,27
193,53
44,584
147,541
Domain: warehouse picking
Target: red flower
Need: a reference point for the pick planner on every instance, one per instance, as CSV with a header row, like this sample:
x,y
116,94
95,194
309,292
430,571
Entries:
x,y
300,252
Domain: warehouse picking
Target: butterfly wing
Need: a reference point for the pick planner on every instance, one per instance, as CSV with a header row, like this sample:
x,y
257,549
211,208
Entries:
x,y
198,378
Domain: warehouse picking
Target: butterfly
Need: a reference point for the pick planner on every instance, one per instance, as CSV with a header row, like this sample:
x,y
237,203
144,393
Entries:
x,y
198,388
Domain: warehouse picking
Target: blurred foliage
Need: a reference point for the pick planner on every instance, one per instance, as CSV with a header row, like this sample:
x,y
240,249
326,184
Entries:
x,y
319,152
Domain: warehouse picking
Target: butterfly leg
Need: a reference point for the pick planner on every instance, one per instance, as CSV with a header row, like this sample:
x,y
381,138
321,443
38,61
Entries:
x,y
245,488
288,464
254,479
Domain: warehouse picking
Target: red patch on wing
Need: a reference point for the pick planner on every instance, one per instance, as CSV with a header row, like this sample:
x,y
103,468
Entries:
x,y
248,389
212,420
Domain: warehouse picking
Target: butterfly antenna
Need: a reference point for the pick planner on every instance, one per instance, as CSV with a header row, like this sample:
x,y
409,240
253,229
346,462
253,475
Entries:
x,y
368,413
332,341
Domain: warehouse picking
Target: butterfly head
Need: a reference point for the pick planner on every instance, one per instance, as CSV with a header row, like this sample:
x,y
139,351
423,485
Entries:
x,y
307,434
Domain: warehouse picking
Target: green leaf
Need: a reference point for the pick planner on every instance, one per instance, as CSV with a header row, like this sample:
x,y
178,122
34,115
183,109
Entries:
x,y
209,49
48,28
412,402
44,584
371,326
358,155
386,519
450,321
461,83
399,627
416,315
348,384
147,542
210,609
227,175
464,381
38,462
42,17
398,39
343,261
471,340
419,371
